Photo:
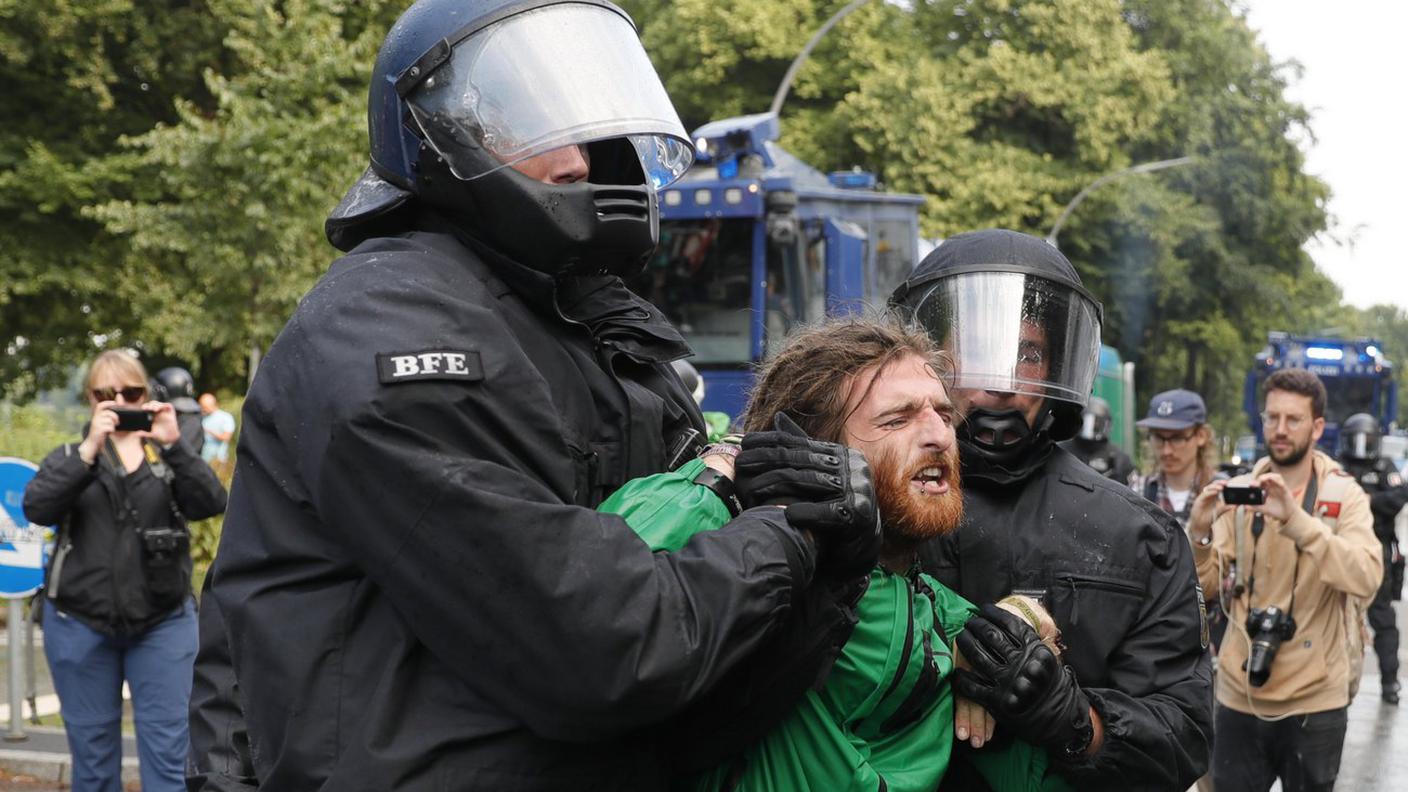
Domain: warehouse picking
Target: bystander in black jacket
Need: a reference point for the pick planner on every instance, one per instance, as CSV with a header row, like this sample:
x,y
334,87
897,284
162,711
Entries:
x,y
417,590
97,572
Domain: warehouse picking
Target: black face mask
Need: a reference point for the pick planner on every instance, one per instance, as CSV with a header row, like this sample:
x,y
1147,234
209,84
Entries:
x,y
598,226
999,446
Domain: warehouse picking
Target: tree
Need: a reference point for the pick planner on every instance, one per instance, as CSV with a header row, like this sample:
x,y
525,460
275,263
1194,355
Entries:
x,y
78,76
1000,111
235,199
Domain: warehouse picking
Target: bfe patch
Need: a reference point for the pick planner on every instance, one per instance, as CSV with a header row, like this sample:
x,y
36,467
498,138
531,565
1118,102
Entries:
x,y
430,364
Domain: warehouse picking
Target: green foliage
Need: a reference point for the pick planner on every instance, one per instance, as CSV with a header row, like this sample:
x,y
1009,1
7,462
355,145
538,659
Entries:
x,y
166,180
167,164
77,76
31,431
1001,111
236,198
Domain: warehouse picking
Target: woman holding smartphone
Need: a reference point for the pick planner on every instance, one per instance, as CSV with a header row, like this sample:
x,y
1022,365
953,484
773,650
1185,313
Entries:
x,y
117,599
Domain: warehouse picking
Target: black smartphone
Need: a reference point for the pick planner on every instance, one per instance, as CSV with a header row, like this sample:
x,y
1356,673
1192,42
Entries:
x,y
1243,496
133,420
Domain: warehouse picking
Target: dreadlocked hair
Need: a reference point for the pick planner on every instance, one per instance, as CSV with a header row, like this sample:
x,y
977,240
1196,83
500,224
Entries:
x,y
809,375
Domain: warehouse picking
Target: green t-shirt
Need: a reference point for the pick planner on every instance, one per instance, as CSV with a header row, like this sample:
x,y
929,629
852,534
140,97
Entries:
x,y
884,717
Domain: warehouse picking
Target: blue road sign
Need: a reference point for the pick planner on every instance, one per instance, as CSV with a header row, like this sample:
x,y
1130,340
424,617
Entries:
x,y
23,545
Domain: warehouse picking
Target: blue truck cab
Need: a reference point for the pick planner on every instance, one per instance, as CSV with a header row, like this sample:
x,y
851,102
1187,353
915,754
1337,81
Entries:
x,y
1357,377
754,242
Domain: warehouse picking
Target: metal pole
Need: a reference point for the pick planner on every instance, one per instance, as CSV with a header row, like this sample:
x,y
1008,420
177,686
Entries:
x,y
781,95
1147,167
16,628
31,688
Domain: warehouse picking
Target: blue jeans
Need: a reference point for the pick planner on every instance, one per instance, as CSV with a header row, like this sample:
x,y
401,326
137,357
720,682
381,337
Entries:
x,y
88,669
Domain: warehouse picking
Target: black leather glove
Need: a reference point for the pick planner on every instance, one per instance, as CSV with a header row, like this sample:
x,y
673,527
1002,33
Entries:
x,y
1023,684
826,488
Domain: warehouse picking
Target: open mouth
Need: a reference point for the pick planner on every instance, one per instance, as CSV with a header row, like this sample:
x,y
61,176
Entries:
x,y
932,480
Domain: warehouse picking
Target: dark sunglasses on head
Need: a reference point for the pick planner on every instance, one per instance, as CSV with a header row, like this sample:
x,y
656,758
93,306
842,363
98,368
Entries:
x,y
130,394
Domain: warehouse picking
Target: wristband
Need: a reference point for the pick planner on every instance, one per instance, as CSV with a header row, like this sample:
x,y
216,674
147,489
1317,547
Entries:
x,y
727,449
722,486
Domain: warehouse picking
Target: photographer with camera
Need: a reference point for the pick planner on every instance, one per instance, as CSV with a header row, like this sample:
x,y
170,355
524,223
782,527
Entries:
x,y
117,593
1299,531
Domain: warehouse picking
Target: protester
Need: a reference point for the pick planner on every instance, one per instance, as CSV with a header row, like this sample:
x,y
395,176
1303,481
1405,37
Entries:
x,y
1359,453
117,600
1306,559
1115,571
219,427
417,589
1092,445
885,716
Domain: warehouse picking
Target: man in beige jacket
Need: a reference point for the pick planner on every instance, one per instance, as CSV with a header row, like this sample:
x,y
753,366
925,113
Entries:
x,y
1301,564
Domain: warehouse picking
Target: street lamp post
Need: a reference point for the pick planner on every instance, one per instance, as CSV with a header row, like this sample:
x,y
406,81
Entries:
x,y
1147,167
786,85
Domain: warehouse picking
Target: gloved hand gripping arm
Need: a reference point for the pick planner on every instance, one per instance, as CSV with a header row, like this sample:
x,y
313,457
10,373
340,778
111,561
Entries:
x,y
1024,685
825,488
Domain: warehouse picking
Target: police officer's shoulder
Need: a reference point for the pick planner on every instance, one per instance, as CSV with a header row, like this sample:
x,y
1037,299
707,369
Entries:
x,y
1121,510
395,310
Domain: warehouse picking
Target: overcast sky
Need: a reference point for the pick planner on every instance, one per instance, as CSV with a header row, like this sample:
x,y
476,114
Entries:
x,y
1355,80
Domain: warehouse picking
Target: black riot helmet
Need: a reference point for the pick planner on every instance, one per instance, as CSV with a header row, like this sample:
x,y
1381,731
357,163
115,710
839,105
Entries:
x,y
1359,438
463,90
1011,312
1095,421
175,386
689,375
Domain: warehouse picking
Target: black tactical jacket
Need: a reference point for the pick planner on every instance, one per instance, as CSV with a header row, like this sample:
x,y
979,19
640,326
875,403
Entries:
x,y
1117,574
418,592
97,574
1386,490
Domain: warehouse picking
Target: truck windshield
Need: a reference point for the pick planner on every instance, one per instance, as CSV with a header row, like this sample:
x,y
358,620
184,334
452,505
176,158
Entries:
x,y
1347,396
701,278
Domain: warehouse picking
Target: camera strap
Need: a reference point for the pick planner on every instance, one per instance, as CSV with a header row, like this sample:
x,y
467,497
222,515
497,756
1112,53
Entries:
x,y
1259,524
160,470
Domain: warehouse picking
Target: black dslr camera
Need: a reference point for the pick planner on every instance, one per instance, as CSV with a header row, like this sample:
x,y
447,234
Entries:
x,y
1267,629
162,545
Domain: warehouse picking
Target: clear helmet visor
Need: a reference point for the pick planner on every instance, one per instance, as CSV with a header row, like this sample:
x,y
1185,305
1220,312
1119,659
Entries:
x,y
562,75
1091,427
1359,445
1015,333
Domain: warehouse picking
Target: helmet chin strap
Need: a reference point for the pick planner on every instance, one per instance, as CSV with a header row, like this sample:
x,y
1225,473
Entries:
x,y
1001,446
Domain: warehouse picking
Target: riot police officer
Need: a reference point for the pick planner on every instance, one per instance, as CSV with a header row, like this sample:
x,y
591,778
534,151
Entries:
x,y
1115,571
1092,445
1359,453
175,386
417,590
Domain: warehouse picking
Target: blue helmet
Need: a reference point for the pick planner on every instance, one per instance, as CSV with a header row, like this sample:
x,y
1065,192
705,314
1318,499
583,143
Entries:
x,y
464,89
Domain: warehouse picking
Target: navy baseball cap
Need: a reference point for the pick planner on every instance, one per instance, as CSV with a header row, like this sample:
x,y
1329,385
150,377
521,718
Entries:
x,y
1175,409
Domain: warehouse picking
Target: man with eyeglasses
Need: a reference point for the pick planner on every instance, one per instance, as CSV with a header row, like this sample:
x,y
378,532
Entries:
x,y
1306,562
1181,442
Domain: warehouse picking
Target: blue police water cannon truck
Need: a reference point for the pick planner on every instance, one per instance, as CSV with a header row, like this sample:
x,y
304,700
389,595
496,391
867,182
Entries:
x,y
1357,376
754,241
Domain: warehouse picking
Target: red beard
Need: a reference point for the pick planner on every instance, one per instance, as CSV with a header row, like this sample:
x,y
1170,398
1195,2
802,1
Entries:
x,y
910,517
